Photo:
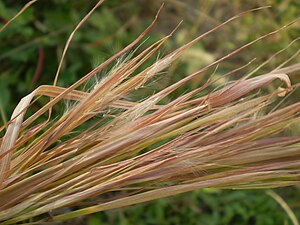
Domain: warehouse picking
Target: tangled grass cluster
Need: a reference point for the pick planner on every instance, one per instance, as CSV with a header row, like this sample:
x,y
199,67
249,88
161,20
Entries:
x,y
106,151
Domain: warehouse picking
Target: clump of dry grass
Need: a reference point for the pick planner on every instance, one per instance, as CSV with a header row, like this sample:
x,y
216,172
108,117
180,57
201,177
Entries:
x,y
126,152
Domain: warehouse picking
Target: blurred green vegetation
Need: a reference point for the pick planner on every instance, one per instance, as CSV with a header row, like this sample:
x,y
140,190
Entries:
x,y
30,49
208,207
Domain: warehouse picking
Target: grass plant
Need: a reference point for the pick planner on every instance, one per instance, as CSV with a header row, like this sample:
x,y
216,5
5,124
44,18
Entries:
x,y
108,150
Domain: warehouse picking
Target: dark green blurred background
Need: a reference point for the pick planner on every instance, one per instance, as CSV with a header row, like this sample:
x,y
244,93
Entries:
x,y
30,49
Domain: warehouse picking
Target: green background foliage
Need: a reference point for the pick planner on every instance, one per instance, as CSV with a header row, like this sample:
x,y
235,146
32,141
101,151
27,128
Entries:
x,y
209,207
30,49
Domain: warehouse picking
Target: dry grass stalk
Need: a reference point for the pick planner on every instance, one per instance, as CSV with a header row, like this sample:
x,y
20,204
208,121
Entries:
x,y
138,151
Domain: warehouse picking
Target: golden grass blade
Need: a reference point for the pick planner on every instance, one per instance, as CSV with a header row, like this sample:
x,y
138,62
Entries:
x,y
156,194
284,205
71,36
11,136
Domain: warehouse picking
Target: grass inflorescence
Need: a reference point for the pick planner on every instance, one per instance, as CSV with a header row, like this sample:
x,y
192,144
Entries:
x,y
108,150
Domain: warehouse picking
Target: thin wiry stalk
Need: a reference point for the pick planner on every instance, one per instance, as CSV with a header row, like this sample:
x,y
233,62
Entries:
x,y
18,14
